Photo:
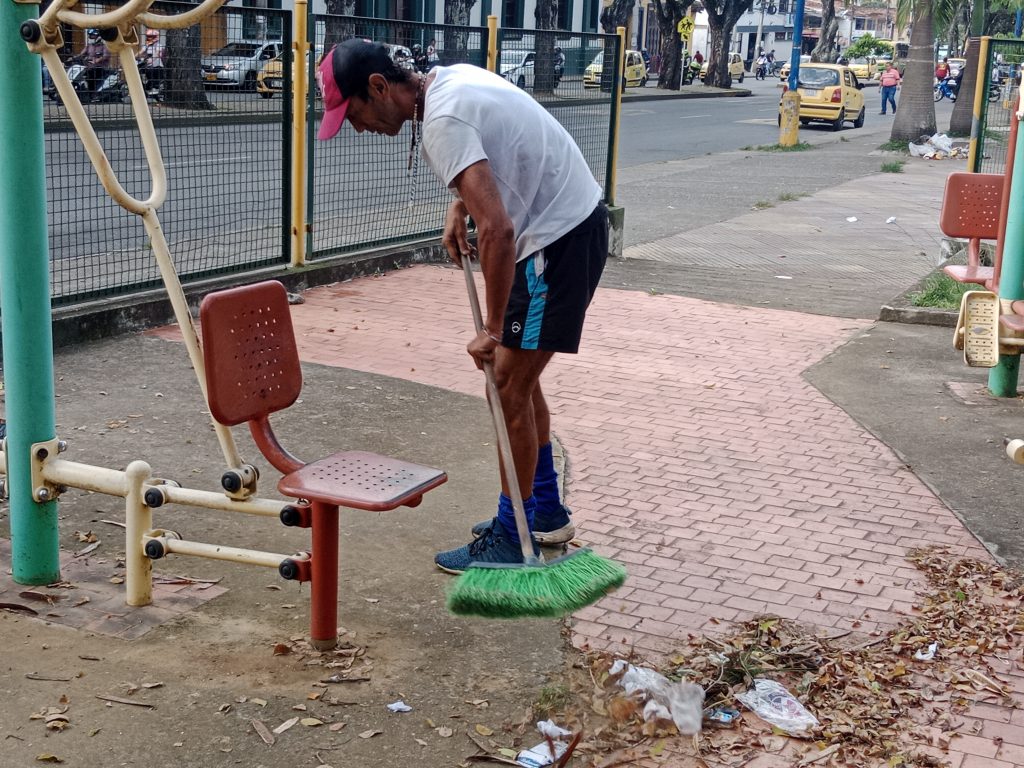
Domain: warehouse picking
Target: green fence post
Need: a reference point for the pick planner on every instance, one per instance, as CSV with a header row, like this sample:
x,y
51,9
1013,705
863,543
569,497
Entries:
x,y
25,298
1002,379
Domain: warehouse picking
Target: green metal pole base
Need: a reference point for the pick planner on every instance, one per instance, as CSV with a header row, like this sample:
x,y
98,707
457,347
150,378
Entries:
x,y
1002,380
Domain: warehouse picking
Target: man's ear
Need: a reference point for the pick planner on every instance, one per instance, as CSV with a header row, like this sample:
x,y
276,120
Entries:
x,y
378,84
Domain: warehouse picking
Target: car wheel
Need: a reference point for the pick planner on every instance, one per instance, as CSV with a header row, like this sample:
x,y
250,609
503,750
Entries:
x,y
521,82
780,120
741,78
249,84
643,82
805,121
859,122
837,124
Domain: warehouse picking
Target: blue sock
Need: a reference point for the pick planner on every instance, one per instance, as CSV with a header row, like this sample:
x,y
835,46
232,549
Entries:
x,y
507,517
545,481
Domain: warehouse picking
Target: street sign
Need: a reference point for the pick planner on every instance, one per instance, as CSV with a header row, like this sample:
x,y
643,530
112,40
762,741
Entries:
x,y
685,27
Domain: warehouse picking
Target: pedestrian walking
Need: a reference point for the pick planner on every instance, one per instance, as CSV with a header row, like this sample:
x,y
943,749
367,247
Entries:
x,y
888,82
542,235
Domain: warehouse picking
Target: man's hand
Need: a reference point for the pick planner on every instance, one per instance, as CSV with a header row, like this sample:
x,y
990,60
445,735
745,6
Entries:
x,y
456,233
481,348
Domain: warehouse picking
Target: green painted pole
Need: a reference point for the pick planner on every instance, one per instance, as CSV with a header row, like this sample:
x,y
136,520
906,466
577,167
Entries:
x,y
25,297
1002,379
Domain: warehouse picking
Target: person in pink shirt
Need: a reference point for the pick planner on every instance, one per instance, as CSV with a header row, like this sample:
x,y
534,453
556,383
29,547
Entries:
x,y
889,81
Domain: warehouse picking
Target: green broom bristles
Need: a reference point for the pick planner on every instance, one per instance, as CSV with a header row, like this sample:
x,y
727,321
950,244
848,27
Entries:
x,y
539,591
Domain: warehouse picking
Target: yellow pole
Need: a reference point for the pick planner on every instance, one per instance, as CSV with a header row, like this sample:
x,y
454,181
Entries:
x,y
492,43
614,157
300,84
980,92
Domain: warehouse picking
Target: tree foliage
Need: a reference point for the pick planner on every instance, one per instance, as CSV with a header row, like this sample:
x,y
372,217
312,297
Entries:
x,y
868,45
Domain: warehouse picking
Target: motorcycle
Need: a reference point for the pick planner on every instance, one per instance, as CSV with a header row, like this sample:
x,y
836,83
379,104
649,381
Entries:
x,y
104,86
691,72
945,89
762,70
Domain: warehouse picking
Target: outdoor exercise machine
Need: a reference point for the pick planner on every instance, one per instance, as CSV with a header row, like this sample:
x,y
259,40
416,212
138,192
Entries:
x,y
248,370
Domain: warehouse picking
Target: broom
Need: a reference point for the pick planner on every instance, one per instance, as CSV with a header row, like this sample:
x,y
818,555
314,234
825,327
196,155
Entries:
x,y
534,588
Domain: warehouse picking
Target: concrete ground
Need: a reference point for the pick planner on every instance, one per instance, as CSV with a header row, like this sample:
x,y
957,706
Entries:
x,y
738,430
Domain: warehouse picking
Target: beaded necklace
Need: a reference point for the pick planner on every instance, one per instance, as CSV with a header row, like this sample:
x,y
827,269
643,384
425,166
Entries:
x,y
413,165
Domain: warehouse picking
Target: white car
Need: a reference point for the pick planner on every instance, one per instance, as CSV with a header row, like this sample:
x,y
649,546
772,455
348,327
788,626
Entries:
x,y
517,67
237,64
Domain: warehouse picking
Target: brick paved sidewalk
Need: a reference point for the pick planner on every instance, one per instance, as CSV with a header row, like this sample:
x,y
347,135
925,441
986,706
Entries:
x,y
697,455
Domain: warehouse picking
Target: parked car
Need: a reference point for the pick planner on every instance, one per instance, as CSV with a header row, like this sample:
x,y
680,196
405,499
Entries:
x,y
517,67
238,64
784,72
270,80
736,70
956,66
829,93
865,67
636,70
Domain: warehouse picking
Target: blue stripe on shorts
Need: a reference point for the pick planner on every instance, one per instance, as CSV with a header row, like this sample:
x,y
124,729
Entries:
x,y
538,290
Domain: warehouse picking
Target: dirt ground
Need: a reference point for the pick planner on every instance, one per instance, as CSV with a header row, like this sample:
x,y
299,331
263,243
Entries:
x,y
136,397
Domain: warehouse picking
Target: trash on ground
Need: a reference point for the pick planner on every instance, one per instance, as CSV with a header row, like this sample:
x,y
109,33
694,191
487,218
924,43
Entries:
x,y
938,147
851,219
776,706
540,755
548,728
399,706
681,702
927,655
724,715
891,220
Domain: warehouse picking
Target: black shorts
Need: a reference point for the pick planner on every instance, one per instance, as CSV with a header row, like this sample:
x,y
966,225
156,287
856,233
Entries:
x,y
553,288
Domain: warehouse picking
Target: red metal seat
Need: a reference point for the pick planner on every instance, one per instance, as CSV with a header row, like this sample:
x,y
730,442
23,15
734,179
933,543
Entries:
x,y
971,208
253,370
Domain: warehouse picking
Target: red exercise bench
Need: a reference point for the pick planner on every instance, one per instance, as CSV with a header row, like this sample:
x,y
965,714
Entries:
x,y
252,370
971,208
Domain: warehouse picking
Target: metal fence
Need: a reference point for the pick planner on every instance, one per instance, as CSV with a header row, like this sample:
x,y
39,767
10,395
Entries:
x,y
1005,58
225,144
221,104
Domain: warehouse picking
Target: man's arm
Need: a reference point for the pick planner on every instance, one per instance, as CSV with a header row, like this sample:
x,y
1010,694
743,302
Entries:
x,y
496,243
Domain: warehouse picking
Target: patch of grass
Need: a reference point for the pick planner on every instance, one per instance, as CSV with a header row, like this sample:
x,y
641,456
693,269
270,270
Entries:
x,y
800,146
995,135
896,166
942,292
844,140
552,698
761,205
895,146
788,197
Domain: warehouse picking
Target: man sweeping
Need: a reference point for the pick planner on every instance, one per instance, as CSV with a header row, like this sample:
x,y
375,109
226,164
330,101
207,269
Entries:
x,y
542,234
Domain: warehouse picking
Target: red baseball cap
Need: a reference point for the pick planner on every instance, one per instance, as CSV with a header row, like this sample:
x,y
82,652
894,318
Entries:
x,y
344,72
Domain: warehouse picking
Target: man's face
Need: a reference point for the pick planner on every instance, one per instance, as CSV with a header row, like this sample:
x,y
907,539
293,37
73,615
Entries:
x,y
378,113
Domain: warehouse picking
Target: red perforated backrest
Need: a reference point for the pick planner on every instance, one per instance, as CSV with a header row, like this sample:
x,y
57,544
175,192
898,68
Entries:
x,y
971,205
252,365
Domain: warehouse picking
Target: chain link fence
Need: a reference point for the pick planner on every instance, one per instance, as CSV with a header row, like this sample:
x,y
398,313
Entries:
x,y
1002,73
225,145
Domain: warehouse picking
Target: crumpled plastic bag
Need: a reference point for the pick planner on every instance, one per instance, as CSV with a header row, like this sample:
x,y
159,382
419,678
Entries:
x,y
776,706
936,147
680,702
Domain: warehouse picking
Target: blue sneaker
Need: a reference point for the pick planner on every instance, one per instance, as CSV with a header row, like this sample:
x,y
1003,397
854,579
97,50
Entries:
x,y
548,527
492,545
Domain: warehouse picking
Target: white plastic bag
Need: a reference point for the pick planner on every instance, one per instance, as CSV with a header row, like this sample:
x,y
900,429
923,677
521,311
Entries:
x,y
682,700
775,705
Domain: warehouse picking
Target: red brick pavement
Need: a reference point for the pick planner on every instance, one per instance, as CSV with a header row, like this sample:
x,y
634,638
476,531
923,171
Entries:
x,y
698,456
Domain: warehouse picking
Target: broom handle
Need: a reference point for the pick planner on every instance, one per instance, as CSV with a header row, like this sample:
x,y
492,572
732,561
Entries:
x,y
501,431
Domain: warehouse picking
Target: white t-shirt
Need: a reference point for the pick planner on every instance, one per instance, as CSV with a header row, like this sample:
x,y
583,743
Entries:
x,y
544,182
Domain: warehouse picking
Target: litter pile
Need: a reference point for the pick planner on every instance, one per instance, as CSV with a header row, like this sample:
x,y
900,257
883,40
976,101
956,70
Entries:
x,y
939,147
894,698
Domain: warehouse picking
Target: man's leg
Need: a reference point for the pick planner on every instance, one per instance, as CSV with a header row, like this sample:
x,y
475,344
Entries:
x,y
552,524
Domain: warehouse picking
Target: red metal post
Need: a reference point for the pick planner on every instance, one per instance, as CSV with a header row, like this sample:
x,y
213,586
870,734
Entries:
x,y
323,610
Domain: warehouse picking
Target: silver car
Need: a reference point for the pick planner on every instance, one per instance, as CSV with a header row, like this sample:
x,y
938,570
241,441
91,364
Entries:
x,y
238,63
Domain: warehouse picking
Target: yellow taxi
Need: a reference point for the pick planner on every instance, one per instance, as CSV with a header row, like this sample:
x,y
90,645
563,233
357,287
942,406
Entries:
x,y
636,70
784,72
865,68
829,93
736,69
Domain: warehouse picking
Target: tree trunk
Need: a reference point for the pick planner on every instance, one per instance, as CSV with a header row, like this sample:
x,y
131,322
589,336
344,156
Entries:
x,y
183,75
545,16
456,41
963,110
339,28
669,13
916,115
824,50
616,15
722,18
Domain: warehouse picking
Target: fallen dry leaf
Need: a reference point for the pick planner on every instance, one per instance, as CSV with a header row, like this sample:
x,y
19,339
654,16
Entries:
x,y
264,733
369,734
46,757
311,722
286,725
335,727
483,730
444,732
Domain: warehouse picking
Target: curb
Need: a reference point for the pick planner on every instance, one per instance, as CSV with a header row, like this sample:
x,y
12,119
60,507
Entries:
x,y
944,318
672,95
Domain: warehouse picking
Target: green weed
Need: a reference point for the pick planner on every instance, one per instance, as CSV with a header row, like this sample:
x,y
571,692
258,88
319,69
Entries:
x,y
896,166
942,292
551,698
895,146
788,197
800,146
760,205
